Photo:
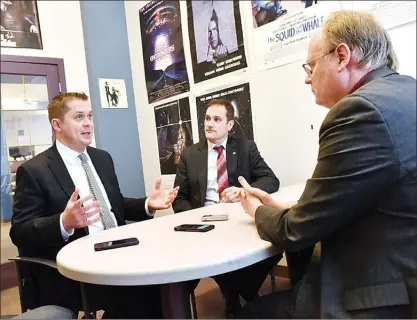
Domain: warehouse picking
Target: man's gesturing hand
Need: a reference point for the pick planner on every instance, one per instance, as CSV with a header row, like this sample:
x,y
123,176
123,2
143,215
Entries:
x,y
76,215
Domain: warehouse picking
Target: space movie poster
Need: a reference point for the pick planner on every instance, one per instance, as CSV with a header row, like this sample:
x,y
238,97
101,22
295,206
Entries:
x,y
239,96
174,132
20,25
163,50
216,39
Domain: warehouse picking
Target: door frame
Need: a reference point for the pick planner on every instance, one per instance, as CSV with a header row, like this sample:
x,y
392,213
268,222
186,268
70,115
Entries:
x,y
41,60
8,269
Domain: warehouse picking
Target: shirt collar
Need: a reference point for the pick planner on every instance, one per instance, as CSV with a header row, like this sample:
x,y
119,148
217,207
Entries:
x,y
67,154
212,145
360,82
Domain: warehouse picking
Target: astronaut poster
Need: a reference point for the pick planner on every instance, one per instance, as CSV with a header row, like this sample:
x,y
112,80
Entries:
x,y
20,25
216,39
174,132
239,96
163,50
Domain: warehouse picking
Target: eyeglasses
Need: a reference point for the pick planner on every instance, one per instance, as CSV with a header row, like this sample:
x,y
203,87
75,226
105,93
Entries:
x,y
307,68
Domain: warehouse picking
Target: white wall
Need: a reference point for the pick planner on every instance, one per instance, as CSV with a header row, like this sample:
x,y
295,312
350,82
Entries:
x,y
283,106
62,37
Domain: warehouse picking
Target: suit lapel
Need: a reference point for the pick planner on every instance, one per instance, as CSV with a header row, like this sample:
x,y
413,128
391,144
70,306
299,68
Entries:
x,y
60,171
202,169
232,152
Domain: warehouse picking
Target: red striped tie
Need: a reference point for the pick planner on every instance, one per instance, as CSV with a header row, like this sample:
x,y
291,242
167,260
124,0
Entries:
x,y
222,177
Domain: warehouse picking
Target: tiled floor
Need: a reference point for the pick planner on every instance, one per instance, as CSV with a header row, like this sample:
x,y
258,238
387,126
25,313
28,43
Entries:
x,y
210,303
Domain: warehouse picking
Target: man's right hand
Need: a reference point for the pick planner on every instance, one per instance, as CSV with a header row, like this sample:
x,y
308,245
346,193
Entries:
x,y
265,197
76,215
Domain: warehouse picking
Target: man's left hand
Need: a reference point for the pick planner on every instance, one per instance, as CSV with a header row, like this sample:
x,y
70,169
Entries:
x,y
161,199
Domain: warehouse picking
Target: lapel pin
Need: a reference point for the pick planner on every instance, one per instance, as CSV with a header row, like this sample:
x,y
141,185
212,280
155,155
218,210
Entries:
x,y
234,152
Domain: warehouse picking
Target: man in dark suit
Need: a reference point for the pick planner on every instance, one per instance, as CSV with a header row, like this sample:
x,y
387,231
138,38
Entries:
x,y
67,192
207,176
360,205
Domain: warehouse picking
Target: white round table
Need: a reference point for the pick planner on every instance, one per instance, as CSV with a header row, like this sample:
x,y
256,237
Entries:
x,y
169,257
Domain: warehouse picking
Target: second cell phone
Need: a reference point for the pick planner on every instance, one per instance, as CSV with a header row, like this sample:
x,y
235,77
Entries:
x,y
215,217
120,243
194,227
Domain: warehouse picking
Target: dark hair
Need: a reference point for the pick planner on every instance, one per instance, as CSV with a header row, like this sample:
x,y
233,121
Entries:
x,y
230,111
214,17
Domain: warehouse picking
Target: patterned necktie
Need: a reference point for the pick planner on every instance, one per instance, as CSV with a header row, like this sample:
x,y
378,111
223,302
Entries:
x,y
222,177
106,217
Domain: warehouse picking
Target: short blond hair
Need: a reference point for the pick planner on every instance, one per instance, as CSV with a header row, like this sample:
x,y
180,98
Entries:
x,y
368,40
57,107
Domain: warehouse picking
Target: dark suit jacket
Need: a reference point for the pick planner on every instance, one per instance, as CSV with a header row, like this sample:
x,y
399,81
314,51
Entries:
x,y
243,159
361,204
43,188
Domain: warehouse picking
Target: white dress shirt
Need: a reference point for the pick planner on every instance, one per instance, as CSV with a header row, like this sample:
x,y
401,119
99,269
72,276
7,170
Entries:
x,y
79,178
212,193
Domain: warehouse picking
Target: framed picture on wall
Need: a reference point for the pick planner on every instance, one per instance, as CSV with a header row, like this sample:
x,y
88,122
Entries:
x,y
216,38
20,24
112,93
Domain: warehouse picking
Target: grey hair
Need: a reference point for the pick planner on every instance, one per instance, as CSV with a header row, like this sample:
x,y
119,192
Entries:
x,y
369,41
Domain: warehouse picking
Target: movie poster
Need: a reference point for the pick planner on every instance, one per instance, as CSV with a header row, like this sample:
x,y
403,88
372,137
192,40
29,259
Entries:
x,y
266,11
174,132
20,24
239,96
163,50
286,40
390,14
216,39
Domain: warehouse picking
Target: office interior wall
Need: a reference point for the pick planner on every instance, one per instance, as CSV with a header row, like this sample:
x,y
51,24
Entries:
x,y
107,51
286,119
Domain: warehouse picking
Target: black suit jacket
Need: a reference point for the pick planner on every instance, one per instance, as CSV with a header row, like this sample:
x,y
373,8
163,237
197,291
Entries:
x,y
243,159
361,205
43,188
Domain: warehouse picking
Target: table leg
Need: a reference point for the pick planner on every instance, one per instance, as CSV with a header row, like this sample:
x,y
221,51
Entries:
x,y
176,301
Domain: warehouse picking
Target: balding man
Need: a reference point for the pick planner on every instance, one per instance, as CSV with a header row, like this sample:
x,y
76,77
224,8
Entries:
x,y
360,203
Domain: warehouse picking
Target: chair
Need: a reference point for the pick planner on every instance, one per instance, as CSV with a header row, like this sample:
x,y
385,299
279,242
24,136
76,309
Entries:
x,y
193,305
19,260
49,312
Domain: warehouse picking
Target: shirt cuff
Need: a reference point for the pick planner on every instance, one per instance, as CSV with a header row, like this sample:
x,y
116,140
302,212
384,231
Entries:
x,y
64,233
149,213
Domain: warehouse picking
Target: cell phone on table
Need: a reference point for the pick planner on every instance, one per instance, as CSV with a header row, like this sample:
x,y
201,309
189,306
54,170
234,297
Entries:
x,y
116,244
215,217
194,227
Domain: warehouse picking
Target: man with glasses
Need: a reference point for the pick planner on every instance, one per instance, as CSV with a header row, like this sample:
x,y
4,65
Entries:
x,y
360,206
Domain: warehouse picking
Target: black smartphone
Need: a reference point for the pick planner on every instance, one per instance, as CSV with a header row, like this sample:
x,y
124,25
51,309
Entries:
x,y
194,227
116,244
